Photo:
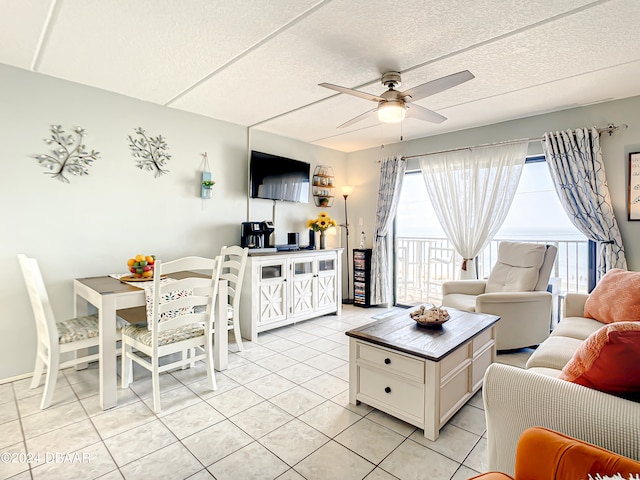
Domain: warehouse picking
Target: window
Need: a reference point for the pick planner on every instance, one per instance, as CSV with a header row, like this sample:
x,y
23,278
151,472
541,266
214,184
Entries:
x,y
425,258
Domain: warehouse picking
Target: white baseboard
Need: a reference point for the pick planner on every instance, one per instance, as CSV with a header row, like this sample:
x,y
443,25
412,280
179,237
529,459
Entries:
x,y
17,377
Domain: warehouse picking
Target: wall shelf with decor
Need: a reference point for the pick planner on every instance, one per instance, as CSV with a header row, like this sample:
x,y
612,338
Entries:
x,y
323,188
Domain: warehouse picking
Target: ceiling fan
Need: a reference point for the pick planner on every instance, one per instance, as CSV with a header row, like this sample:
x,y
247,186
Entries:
x,y
393,105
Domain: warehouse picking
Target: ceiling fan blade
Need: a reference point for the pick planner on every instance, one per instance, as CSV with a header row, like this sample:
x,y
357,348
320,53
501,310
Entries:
x,y
358,118
438,85
350,91
416,111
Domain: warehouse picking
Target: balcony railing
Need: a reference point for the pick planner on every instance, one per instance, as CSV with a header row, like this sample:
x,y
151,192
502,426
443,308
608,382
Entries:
x,y
423,264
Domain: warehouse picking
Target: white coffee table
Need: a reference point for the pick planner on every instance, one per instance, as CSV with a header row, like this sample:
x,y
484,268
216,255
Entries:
x,y
417,374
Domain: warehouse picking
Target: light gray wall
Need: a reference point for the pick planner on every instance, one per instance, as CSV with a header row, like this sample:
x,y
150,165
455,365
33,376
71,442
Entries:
x,y
92,225
292,217
364,170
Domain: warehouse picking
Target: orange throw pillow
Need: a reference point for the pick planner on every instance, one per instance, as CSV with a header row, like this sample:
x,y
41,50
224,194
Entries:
x,y
616,298
608,360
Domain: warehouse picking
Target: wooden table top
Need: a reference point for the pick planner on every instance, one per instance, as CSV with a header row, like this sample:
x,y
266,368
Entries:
x,y
106,285
403,334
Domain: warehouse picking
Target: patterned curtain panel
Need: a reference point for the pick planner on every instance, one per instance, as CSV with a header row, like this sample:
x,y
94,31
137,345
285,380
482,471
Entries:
x,y
577,170
391,176
471,192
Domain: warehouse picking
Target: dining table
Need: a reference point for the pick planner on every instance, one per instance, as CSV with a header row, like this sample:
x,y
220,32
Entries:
x,y
110,296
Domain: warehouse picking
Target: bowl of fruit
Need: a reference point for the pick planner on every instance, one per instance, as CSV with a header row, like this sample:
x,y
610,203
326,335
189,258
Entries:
x,y
141,267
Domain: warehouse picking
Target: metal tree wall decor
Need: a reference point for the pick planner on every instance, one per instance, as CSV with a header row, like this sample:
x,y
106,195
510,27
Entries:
x,y
149,152
68,155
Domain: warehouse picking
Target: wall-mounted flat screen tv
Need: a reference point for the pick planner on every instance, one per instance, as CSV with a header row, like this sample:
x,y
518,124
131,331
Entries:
x,y
278,178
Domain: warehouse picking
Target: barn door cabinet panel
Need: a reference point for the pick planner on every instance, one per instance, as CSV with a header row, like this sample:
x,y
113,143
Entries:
x,y
283,288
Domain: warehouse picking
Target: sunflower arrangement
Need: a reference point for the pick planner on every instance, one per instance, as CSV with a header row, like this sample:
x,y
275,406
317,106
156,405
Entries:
x,y
323,222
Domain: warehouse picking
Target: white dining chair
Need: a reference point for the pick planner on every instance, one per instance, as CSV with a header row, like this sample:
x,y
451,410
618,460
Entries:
x,y
181,321
54,339
234,260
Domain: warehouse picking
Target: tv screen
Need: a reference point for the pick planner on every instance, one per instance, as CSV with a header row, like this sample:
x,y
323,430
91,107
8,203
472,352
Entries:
x,y
278,178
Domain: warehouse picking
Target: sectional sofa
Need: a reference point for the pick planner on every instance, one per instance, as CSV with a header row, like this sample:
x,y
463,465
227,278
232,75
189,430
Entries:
x,y
516,399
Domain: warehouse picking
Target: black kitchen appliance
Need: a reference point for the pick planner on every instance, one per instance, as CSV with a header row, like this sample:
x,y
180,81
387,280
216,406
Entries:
x,y
267,232
251,235
256,234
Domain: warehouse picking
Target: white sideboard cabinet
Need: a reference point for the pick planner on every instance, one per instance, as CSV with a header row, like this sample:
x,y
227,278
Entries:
x,y
281,288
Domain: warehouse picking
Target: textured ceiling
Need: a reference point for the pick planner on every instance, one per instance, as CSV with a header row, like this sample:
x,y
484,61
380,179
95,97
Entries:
x,y
258,62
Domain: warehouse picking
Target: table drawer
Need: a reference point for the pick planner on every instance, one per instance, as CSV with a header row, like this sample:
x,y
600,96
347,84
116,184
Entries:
x,y
392,362
454,393
397,395
455,360
480,365
482,340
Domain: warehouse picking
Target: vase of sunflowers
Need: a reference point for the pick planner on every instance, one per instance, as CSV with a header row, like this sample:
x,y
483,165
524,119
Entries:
x,y
321,224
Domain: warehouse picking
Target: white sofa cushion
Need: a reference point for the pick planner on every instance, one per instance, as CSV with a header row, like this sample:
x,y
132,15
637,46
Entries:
x,y
517,267
576,327
554,352
549,372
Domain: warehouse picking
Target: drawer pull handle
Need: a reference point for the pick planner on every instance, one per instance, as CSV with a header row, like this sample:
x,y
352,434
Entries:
x,y
387,389
387,361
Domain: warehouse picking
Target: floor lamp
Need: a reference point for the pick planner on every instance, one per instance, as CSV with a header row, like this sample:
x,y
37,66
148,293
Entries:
x,y
346,191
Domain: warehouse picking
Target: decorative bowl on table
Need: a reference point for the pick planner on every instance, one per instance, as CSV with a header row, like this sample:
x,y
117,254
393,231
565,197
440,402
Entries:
x,y
430,317
141,267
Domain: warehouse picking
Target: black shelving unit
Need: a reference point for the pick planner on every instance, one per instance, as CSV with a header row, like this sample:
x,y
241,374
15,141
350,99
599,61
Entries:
x,y
361,277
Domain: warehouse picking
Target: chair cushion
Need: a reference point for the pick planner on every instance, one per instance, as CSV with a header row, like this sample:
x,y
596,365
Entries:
x,y
517,267
460,301
609,361
140,333
76,329
616,298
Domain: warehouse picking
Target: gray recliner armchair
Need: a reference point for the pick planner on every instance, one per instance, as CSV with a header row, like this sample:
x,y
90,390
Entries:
x,y
516,290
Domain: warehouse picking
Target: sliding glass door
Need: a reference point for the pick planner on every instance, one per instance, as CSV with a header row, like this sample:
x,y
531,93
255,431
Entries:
x,y
424,258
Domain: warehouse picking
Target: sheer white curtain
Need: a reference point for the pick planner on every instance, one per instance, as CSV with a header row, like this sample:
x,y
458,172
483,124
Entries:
x,y
391,176
471,191
577,169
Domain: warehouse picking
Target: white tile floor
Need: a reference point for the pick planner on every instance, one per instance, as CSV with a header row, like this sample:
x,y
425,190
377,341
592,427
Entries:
x,y
281,411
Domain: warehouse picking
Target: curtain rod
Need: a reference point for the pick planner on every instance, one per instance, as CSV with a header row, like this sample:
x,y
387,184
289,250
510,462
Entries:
x,y
609,129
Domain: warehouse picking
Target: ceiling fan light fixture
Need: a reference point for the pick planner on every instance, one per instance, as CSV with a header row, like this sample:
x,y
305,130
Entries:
x,y
391,112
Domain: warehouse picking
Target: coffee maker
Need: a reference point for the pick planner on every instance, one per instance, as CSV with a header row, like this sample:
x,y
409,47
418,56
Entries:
x,y
256,234
251,235
267,229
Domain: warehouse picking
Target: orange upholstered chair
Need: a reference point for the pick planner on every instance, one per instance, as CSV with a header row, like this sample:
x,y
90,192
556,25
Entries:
x,y
549,455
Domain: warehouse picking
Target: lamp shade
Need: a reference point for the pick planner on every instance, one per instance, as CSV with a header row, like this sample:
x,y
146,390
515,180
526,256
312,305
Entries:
x,y
391,112
347,190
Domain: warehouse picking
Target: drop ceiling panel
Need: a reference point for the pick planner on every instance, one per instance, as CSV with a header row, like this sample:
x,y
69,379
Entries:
x,y
259,62
351,43
537,57
532,58
21,22
545,98
551,97
154,50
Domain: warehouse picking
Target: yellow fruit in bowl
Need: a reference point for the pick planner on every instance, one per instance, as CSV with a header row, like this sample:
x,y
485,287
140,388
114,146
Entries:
x,y
139,258
147,274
